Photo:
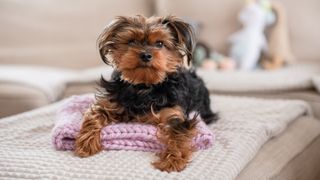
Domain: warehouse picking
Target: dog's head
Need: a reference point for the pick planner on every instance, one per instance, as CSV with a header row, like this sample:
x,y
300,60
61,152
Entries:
x,y
146,50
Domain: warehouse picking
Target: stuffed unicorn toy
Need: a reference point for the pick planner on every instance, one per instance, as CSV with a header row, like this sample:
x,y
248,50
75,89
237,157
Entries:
x,y
248,43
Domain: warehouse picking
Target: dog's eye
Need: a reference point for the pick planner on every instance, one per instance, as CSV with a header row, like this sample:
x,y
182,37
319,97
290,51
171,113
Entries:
x,y
131,42
159,44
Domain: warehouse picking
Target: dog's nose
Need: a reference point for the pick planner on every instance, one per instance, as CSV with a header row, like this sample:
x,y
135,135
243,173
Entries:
x,y
145,57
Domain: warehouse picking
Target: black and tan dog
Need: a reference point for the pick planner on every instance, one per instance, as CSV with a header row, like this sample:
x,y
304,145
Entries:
x,y
150,84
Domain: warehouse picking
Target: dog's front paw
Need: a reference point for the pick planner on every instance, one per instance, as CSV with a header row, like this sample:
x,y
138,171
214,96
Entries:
x,y
87,144
170,165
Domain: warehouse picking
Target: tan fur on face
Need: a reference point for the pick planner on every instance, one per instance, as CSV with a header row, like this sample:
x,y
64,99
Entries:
x,y
163,62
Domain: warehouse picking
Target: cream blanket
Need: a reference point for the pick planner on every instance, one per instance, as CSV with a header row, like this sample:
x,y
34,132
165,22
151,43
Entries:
x,y
245,125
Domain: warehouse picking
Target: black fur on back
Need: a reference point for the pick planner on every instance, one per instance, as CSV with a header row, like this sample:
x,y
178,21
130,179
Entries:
x,y
183,88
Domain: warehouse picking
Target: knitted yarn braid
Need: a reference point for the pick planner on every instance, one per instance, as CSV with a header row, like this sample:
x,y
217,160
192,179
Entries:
x,y
120,136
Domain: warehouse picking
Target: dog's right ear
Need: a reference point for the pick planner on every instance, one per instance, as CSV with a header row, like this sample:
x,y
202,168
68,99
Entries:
x,y
183,33
105,40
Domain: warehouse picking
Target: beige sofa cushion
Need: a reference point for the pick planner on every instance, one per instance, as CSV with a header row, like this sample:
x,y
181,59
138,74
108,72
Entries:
x,y
311,96
316,82
26,87
294,154
51,81
219,19
87,80
17,98
59,33
293,77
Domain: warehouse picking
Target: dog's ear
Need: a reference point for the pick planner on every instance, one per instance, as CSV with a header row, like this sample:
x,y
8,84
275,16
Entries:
x,y
105,41
183,33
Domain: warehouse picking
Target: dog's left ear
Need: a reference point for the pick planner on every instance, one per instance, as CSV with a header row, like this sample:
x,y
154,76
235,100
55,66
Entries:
x,y
105,40
183,33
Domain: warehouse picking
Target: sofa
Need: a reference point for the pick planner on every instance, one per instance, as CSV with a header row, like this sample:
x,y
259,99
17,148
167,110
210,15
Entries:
x,y
53,43
39,34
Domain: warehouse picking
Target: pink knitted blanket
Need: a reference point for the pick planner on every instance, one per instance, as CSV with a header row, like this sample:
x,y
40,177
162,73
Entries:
x,y
120,136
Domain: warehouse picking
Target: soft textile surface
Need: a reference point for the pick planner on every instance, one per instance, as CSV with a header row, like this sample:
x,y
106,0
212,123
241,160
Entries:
x,y
316,82
50,81
286,151
245,125
120,136
293,77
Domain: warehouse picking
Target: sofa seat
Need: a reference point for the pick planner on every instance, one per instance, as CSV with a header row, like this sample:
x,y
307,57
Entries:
x,y
87,80
316,82
310,95
23,88
294,154
17,98
245,125
297,76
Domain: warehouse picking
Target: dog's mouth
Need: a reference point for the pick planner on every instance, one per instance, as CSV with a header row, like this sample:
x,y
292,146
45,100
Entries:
x,y
143,74
144,65
139,66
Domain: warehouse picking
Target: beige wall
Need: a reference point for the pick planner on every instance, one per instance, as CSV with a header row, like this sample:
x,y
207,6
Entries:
x,y
63,32
58,32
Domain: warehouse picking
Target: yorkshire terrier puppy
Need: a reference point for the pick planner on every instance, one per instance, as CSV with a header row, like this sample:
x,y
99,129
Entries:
x,y
150,84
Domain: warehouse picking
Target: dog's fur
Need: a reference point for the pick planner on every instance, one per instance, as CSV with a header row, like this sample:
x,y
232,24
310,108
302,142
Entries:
x,y
150,85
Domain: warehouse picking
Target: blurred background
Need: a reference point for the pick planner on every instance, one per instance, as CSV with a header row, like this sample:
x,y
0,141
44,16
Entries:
x,y
63,32
48,47
267,49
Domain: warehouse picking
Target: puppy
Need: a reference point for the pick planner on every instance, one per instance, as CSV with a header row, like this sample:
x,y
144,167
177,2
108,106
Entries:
x,y
150,84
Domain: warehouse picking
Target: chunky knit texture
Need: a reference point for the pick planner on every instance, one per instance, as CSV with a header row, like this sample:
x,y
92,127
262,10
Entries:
x,y
246,124
120,136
